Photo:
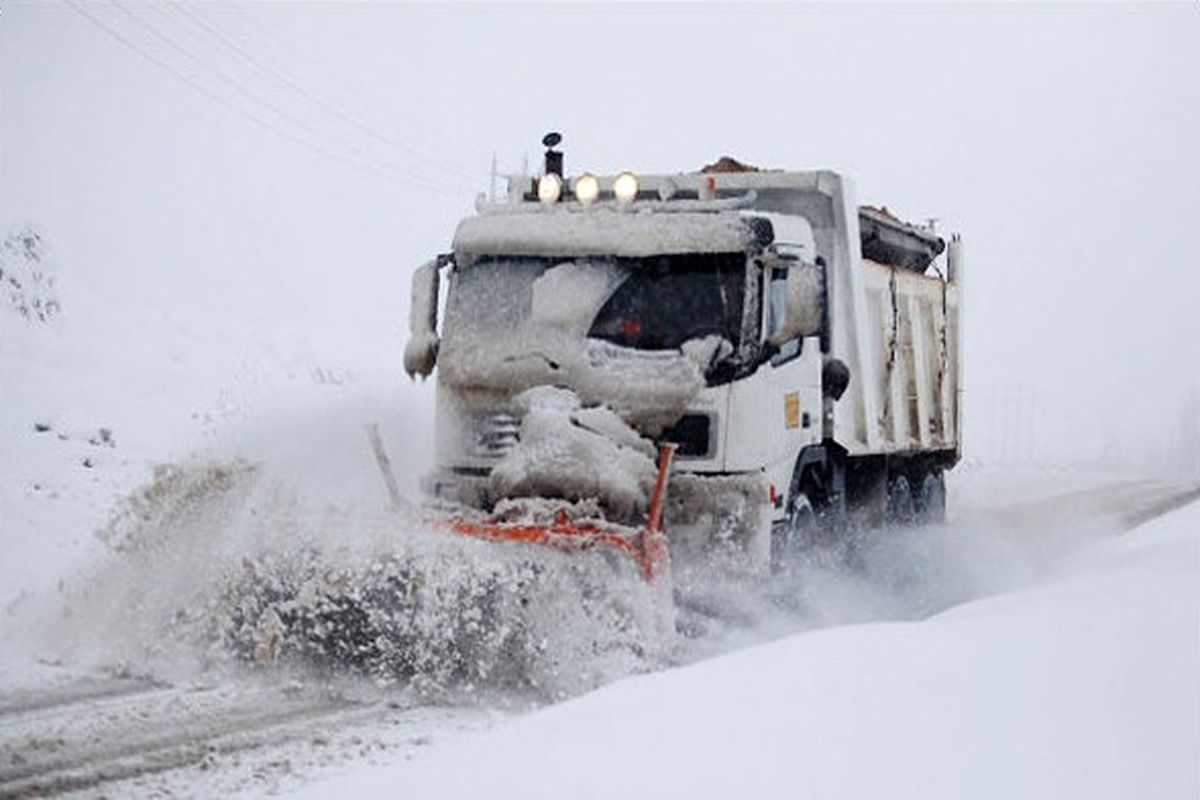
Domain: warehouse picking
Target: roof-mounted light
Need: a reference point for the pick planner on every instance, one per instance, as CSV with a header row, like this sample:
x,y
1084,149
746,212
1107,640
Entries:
x,y
587,188
625,187
549,188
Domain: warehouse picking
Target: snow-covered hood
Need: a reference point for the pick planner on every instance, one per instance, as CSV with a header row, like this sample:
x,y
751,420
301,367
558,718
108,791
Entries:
x,y
649,389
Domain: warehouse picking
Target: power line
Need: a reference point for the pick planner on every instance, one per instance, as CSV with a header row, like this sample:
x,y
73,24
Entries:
x,y
214,31
321,70
267,103
222,101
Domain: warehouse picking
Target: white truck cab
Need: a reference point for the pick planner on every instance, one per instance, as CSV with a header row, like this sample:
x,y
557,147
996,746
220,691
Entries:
x,y
803,353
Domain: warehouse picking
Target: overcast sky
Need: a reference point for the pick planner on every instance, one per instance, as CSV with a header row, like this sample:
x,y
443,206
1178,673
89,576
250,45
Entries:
x,y
293,163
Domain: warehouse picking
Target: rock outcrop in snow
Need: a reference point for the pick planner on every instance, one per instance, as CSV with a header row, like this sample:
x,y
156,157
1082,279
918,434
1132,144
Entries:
x,y
25,276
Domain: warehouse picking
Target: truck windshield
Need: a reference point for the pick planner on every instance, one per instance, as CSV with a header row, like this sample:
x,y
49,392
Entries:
x,y
667,300
655,303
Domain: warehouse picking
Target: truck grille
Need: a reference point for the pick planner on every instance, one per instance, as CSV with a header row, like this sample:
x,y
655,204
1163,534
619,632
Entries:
x,y
496,434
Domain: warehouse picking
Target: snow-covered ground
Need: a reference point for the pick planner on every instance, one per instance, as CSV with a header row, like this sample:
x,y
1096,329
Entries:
x,y
113,386
1055,654
1024,648
1065,664
1084,684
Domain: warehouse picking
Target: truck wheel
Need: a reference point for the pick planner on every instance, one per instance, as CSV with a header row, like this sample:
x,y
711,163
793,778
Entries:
x,y
931,499
796,534
900,506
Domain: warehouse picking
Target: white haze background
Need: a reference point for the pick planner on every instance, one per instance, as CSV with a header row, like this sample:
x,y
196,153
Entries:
x,y
264,212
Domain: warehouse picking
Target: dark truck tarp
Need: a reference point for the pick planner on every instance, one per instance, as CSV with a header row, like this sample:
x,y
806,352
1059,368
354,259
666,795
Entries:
x,y
891,241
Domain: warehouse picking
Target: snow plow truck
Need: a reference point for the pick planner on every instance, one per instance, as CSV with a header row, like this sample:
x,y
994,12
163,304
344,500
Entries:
x,y
734,362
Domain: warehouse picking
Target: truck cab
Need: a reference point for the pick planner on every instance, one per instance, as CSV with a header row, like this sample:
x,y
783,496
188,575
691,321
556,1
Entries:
x,y
732,312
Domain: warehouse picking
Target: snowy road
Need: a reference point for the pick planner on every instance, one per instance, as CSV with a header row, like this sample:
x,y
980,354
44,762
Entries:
x,y
130,736
1121,505
55,742
230,735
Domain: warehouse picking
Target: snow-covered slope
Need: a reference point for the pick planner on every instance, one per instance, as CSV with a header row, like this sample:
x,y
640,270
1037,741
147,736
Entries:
x,y
1084,685
114,383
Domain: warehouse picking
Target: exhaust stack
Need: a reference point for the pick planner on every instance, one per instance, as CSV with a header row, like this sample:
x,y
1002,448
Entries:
x,y
554,158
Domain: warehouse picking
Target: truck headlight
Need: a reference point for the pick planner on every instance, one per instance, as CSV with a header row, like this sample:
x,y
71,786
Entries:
x,y
549,188
625,187
587,188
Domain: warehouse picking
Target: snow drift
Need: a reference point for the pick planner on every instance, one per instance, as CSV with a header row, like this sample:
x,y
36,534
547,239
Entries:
x,y
1084,685
214,564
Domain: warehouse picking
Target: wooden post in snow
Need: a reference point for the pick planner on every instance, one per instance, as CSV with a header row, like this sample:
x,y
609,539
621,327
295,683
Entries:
x,y
385,465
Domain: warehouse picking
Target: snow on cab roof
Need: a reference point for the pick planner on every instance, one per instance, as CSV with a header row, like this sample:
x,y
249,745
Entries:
x,y
601,232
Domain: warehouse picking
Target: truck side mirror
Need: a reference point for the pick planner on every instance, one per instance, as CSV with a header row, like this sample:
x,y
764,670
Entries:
x,y
420,354
797,299
835,377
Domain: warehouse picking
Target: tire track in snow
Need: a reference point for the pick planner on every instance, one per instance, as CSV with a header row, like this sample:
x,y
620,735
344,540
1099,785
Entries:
x,y
82,744
1123,505
1162,505
86,690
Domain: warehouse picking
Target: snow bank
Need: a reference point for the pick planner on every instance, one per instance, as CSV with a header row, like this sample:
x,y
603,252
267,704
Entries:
x,y
1085,685
102,382
213,565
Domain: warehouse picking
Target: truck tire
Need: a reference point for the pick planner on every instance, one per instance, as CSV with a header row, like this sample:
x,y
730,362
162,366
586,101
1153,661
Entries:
x,y
901,509
797,533
931,499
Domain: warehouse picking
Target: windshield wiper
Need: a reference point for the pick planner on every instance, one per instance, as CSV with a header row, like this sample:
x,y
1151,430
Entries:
x,y
554,365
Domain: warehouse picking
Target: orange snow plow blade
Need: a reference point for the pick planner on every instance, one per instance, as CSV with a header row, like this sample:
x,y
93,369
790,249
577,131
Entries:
x,y
648,547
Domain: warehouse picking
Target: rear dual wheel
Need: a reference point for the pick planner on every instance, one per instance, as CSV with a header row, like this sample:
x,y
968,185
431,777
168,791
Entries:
x,y
923,504
901,506
931,499
801,523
